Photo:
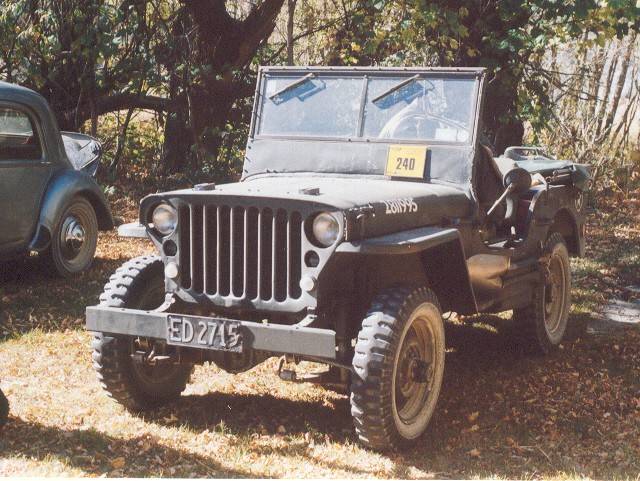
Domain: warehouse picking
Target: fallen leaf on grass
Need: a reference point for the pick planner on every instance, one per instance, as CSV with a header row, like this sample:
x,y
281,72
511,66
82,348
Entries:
x,y
118,463
474,453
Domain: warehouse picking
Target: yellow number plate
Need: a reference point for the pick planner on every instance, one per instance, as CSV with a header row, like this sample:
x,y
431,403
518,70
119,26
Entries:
x,y
406,161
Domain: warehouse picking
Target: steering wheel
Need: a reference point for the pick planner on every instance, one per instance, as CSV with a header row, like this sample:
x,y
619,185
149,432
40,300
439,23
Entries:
x,y
395,125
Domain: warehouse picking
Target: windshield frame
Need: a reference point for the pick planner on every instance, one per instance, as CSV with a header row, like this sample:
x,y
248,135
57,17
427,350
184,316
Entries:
x,y
470,73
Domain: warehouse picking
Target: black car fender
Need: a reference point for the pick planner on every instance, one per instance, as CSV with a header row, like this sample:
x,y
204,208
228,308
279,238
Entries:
x,y
62,187
442,254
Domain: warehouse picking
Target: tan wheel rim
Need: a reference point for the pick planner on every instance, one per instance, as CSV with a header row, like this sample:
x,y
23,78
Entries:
x,y
417,371
554,296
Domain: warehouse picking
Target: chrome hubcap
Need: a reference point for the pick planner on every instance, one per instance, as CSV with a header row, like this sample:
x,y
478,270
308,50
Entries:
x,y
73,237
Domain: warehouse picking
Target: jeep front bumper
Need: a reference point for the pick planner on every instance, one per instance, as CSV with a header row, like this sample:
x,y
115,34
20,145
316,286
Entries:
x,y
276,338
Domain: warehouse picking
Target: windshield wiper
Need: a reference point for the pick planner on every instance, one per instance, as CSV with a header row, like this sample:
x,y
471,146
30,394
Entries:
x,y
292,85
396,87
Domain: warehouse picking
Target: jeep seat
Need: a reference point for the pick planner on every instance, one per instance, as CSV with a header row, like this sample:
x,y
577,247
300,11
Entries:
x,y
491,184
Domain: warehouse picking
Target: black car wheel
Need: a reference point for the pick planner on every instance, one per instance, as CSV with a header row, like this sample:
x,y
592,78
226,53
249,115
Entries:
x,y
73,244
398,368
545,320
131,380
4,409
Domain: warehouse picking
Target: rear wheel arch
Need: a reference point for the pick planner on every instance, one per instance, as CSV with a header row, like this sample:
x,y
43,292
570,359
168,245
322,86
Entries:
x,y
62,189
565,224
103,214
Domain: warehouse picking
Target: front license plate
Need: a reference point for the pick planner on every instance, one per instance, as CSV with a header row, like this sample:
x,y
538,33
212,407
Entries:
x,y
204,333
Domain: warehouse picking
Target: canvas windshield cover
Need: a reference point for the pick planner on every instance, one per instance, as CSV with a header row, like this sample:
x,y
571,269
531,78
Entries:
x,y
416,107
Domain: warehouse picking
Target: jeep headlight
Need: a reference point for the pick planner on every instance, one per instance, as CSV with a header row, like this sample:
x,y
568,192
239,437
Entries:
x,y
165,219
326,229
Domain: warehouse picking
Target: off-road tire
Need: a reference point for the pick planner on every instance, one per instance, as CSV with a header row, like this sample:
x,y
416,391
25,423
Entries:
x,y
532,318
57,257
4,409
378,347
139,283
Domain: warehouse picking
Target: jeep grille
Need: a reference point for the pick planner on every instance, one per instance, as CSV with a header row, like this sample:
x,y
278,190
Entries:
x,y
240,253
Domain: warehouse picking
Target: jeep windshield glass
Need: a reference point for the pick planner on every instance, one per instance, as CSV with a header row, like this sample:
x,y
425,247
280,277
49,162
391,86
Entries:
x,y
438,109
420,107
321,106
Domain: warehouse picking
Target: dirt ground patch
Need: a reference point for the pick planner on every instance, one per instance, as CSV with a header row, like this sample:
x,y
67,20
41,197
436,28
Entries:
x,y
503,412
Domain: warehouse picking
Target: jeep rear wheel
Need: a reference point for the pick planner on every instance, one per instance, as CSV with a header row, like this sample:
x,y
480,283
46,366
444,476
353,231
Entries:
x,y
129,379
398,368
546,318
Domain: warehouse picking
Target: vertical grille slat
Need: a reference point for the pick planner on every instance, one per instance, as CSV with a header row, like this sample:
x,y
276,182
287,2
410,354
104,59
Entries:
x,y
231,250
274,253
205,249
239,252
224,280
259,247
197,248
245,246
210,254
218,242
295,255
288,281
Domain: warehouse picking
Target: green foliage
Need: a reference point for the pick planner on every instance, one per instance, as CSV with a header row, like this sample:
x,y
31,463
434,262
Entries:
x,y
141,151
78,53
509,38
194,62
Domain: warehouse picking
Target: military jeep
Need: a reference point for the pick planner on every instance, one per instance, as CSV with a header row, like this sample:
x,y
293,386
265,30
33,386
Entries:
x,y
368,206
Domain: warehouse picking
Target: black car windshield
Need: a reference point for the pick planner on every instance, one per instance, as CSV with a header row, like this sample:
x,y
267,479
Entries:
x,y
418,107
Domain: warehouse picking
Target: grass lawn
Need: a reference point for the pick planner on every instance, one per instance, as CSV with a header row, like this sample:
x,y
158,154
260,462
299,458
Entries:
x,y
503,412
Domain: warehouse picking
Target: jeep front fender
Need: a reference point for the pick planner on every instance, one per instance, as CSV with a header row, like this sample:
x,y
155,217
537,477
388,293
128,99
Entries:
x,y
442,255
61,189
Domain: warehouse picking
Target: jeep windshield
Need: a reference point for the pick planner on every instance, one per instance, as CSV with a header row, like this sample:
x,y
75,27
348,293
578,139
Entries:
x,y
421,107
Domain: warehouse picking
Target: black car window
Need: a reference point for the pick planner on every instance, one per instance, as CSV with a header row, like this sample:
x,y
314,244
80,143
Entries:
x,y
19,139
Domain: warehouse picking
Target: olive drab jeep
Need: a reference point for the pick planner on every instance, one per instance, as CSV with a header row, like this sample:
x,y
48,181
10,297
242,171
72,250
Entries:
x,y
367,207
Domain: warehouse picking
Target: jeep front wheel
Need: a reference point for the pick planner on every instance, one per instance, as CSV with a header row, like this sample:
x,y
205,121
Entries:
x,y
120,361
398,368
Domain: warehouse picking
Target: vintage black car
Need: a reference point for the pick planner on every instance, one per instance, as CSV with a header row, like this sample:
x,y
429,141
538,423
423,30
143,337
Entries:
x,y
368,206
49,201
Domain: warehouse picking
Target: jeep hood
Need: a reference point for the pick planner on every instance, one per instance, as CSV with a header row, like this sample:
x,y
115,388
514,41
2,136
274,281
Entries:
x,y
388,205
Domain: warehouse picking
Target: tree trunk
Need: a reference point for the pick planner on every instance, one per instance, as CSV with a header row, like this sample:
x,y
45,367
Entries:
x,y
291,11
622,78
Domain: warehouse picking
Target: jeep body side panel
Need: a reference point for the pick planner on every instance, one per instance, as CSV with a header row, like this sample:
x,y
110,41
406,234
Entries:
x,y
439,250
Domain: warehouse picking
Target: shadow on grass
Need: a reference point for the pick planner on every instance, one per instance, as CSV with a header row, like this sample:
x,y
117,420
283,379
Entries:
x,y
245,414
32,296
485,357
94,452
